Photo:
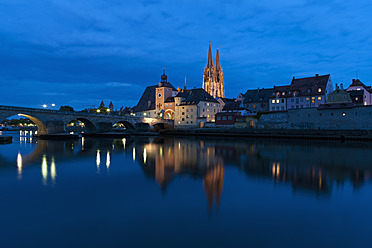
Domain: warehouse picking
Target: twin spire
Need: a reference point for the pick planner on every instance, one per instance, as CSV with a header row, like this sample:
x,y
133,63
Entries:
x,y
210,58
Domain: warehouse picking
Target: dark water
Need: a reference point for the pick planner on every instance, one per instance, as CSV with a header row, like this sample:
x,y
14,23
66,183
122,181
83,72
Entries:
x,y
185,192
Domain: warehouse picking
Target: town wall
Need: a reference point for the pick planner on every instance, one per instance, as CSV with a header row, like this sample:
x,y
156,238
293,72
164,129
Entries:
x,y
313,118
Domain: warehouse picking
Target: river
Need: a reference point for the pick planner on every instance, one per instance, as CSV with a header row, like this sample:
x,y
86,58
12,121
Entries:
x,y
184,192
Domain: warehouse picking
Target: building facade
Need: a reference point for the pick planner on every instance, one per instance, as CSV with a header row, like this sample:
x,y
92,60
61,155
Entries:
x,y
213,82
360,93
309,92
278,99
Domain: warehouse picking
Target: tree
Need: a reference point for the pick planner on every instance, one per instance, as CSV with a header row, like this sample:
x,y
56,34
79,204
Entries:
x,y
66,109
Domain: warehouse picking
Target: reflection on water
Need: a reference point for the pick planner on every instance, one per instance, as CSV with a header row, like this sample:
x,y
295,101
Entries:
x,y
237,190
315,167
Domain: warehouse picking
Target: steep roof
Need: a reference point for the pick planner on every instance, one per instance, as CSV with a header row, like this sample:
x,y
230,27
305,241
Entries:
x,y
147,96
170,99
232,106
310,86
257,96
195,96
281,89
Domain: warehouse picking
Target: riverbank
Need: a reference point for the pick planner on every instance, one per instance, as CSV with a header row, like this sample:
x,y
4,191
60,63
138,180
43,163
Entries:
x,y
306,134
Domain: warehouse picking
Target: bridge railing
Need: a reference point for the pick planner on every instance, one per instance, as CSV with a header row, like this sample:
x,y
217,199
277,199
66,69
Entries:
x,y
25,109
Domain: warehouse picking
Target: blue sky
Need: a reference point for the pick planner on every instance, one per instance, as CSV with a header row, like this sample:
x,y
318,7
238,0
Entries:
x,y
79,52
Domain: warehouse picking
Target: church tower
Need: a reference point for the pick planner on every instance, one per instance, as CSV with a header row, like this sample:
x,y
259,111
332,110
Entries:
x,y
213,76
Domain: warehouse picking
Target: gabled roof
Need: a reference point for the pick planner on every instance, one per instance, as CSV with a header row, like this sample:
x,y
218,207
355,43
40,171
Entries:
x,y
227,100
257,96
232,106
195,96
147,96
358,83
281,89
310,86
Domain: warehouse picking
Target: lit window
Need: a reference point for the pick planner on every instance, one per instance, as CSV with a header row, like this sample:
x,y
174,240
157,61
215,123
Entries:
x,y
343,114
277,100
273,101
319,98
356,98
319,90
307,99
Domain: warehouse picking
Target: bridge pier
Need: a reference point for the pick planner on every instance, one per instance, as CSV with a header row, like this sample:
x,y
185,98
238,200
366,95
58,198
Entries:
x,y
104,127
54,127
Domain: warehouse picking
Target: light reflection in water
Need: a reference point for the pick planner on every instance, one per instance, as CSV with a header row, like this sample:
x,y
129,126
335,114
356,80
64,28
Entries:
x,y
124,142
108,162
98,160
53,171
19,166
82,143
134,153
144,155
44,170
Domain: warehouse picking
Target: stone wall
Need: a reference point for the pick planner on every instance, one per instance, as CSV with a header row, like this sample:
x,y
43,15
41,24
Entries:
x,y
313,118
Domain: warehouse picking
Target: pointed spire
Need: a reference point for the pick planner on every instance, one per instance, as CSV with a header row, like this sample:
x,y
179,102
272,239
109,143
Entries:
x,y
185,84
218,64
210,58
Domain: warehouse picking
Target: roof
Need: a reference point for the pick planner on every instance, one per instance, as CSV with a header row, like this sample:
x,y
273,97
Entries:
x,y
259,95
147,96
358,83
281,89
195,96
165,84
227,100
170,99
232,106
310,86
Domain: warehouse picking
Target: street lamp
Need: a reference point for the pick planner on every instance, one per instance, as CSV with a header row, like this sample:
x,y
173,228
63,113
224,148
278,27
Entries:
x,y
44,105
98,110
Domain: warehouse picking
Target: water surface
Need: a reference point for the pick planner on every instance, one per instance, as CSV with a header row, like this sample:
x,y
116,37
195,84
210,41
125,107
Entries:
x,y
183,192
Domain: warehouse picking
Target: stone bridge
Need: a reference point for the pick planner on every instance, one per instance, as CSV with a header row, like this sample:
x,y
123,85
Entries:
x,y
54,121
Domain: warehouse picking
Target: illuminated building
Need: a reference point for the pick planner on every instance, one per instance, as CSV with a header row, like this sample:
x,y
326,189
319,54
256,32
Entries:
x,y
213,82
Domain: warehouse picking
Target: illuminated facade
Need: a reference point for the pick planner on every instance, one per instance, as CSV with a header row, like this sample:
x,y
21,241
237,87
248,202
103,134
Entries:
x,y
213,82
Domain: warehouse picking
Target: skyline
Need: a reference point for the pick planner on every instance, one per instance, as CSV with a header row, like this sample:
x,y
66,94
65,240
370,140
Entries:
x,y
80,53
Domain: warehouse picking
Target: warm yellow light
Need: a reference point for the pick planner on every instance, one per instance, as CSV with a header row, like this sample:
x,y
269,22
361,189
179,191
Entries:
x,y
144,155
124,142
44,105
134,153
44,169
108,161
98,158
53,170
108,110
98,110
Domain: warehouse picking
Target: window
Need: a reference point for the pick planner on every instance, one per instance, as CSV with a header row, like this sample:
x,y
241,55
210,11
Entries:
x,y
277,108
307,105
292,100
166,105
273,109
356,98
183,107
203,110
297,100
187,122
273,101
183,119
187,110
187,116
218,118
343,114
301,106
319,98
308,90
230,117
282,107
224,118
283,93
277,100
307,99
205,104
254,106
170,105
282,100
183,113
319,90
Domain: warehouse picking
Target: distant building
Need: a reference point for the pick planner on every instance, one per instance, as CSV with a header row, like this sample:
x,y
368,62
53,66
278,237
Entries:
x,y
213,82
194,106
257,100
339,98
360,93
278,99
152,102
229,113
309,92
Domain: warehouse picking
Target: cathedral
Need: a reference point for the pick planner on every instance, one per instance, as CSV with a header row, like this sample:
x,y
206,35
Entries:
x,y
213,76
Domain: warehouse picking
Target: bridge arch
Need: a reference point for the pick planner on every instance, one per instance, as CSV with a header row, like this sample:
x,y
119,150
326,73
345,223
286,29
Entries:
x,y
41,126
89,125
126,124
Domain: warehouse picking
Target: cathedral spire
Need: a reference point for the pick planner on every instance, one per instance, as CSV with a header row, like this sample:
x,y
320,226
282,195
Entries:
x,y
210,58
218,64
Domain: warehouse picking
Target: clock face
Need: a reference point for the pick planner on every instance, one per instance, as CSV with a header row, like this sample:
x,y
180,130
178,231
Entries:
x,y
159,95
